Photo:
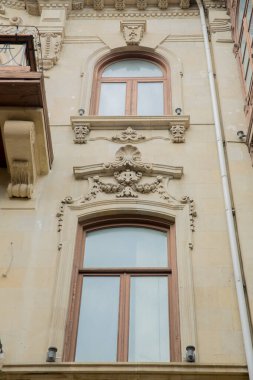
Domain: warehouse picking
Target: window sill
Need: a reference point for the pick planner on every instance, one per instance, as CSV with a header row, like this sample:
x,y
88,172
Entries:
x,y
139,122
157,371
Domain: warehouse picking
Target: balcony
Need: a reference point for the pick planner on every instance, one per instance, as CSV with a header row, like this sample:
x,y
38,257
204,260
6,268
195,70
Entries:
x,y
25,141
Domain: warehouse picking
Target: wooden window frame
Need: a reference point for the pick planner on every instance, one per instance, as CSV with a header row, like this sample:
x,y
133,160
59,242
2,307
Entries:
x,y
243,30
131,82
123,326
20,40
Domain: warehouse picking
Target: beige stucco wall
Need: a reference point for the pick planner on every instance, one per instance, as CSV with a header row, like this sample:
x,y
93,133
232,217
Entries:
x,y
32,268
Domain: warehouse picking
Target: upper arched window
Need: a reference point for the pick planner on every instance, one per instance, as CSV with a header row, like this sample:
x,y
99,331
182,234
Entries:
x,y
132,85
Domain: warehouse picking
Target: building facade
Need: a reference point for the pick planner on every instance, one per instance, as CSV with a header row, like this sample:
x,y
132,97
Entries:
x,y
126,189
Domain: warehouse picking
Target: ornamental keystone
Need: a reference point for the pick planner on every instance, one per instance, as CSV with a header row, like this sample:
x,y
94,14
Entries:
x,y
133,31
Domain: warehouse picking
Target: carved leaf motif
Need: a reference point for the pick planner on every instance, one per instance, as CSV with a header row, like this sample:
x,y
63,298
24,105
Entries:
x,y
128,135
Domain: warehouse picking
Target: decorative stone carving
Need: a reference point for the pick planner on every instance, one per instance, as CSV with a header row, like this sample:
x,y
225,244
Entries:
x,y
128,173
16,21
177,133
129,135
128,157
141,4
32,7
2,9
192,211
133,31
81,133
184,4
51,45
77,4
220,25
130,177
19,140
163,4
20,186
120,5
60,216
98,5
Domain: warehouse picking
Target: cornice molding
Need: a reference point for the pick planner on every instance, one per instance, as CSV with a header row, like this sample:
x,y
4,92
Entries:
x,y
133,13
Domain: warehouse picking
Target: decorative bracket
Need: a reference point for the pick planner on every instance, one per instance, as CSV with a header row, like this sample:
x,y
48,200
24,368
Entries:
x,y
81,132
184,4
19,138
133,31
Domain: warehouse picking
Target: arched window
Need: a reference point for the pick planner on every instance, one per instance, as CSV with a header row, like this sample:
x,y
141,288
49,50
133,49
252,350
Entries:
x,y
131,85
125,304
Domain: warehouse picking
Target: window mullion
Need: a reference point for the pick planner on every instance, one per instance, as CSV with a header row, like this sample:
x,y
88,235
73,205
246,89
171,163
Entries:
x,y
123,327
128,97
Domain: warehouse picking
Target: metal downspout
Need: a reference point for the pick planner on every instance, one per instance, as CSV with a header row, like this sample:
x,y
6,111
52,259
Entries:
x,y
245,322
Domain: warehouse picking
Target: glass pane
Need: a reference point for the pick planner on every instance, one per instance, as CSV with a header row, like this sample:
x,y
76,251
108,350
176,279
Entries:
x,y
12,55
112,99
249,11
251,25
149,320
98,320
132,68
246,61
150,99
126,247
248,77
240,13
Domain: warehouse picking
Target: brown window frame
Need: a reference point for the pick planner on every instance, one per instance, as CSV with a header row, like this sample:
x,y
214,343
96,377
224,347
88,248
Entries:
x,y
131,83
18,39
242,30
125,273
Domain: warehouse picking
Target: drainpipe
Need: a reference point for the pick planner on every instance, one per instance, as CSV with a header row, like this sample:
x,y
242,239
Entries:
x,y
245,321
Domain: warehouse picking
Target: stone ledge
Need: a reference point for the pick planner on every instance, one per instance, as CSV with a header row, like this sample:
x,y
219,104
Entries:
x,y
139,122
154,371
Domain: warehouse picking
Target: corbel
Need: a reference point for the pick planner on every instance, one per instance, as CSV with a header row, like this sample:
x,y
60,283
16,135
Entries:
x,y
19,139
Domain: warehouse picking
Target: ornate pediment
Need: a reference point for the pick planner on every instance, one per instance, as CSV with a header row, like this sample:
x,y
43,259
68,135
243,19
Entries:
x,y
128,176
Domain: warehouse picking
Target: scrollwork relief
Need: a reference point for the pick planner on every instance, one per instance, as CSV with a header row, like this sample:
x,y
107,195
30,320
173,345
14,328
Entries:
x,y
129,135
184,4
163,4
177,133
120,5
141,4
128,157
51,45
98,5
81,132
21,185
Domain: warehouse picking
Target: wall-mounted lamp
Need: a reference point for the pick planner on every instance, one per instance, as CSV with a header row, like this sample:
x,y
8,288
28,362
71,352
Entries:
x,y
241,135
81,111
51,354
190,354
178,111
1,350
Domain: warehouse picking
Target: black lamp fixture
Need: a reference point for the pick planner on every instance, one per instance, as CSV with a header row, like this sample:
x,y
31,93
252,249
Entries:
x,y
178,111
1,350
51,354
241,135
190,354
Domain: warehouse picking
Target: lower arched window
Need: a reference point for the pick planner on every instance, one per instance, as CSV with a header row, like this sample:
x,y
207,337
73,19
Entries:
x,y
124,295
